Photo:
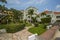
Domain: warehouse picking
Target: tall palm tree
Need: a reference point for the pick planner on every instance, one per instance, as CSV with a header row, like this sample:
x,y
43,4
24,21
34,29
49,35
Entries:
x,y
30,12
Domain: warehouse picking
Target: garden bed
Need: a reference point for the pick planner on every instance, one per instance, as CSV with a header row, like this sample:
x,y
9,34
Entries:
x,y
39,30
12,27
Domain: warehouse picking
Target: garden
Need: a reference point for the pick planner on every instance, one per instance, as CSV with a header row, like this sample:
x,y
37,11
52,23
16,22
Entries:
x,y
12,20
12,27
38,30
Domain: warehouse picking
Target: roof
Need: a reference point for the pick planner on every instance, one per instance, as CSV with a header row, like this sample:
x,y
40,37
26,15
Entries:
x,y
51,12
49,33
47,12
56,12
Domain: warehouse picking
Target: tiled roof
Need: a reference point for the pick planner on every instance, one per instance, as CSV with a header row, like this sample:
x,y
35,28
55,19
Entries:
x,y
49,33
56,12
47,12
51,11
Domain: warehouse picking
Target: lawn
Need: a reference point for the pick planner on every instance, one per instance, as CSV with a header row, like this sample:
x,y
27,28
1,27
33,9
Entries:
x,y
39,30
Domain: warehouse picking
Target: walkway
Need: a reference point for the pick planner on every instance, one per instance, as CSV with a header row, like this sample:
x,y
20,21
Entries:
x,y
21,35
57,35
49,33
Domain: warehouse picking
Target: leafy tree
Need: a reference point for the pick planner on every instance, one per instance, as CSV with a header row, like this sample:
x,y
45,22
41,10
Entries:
x,y
17,14
46,20
3,8
43,13
30,12
3,1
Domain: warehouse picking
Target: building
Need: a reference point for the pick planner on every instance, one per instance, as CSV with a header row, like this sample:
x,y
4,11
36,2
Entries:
x,y
26,14
54,15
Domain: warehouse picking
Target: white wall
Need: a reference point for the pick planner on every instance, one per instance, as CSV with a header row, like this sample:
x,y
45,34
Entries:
x,y
33,37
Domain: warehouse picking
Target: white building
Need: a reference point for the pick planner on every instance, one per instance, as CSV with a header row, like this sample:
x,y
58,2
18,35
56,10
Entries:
x,y
26,16
54,15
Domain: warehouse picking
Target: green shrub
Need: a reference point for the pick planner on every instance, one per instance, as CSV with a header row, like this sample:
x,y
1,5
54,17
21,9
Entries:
x,y
2,26
28,24
39,30
14,28
46,20
36,24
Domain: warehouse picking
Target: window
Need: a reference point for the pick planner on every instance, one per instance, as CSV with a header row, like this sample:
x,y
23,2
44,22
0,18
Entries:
x,y
57,16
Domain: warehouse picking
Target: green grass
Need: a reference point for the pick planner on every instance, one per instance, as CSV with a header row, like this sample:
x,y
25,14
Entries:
x,y
2,26
12,27
28,24
39,30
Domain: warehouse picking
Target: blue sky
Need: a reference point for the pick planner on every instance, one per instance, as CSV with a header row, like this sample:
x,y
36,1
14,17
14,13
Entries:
x,y
41,5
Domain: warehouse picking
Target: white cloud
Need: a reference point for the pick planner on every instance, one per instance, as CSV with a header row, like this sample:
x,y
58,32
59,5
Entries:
x,y
13,1
34,2
46,9
58,6
23,3
29,2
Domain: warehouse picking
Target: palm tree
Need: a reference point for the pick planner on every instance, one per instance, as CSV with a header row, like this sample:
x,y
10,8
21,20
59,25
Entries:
x,y
30,12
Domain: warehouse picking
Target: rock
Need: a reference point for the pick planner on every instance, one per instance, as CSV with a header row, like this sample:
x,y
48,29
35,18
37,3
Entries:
x,y
2,31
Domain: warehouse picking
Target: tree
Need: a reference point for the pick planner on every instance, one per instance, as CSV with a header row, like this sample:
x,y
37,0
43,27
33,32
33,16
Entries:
x,y
43,13
30,12
17,14
3,1
46,20
3,8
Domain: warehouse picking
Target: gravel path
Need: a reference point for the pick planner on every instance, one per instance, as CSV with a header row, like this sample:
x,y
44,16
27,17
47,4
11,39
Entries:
x,y
21,35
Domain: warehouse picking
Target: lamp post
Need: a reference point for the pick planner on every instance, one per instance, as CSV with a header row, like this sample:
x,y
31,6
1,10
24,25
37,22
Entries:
x,y
7,21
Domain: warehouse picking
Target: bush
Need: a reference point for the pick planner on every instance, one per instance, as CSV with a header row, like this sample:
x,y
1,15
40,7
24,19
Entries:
x,y
2,26
28,24
14,28
46,20
39,30
36,24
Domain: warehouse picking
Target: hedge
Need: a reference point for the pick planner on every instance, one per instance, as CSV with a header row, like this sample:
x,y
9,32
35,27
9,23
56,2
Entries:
x,y
12,27
16,28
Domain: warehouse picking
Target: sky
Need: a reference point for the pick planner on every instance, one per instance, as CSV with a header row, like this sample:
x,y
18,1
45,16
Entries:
x,y
41,5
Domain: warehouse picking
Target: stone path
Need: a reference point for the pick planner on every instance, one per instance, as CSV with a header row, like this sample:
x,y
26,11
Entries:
x,y
21,35
57,34
6,36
